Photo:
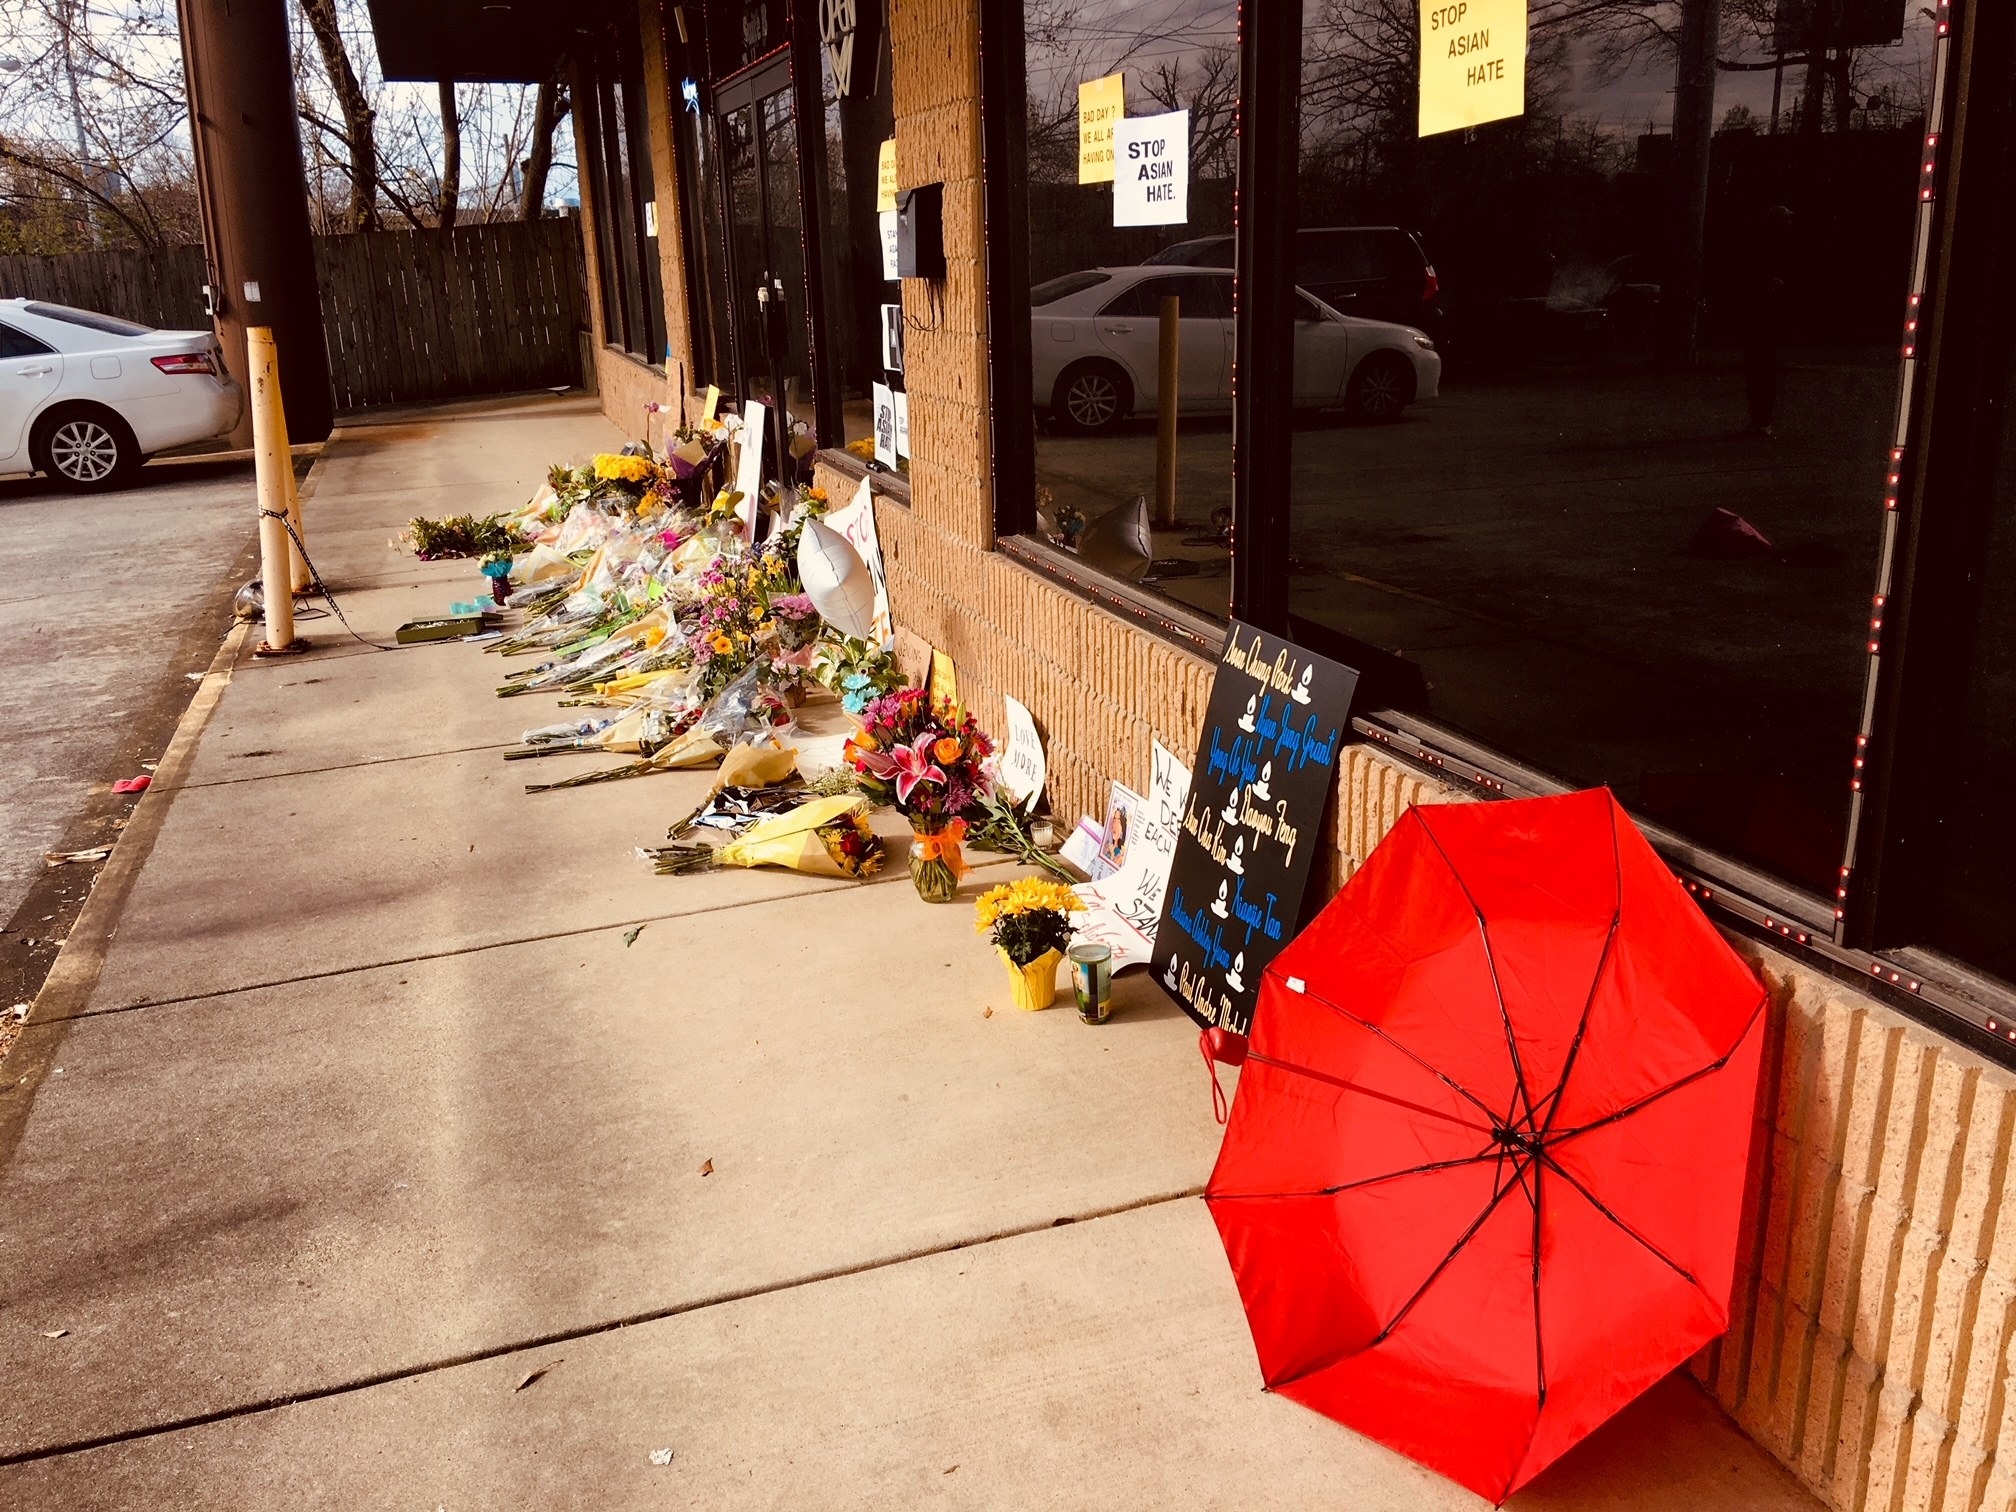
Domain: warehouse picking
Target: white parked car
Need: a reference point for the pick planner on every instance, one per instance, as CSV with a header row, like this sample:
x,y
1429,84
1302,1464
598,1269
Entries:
x,y
87,398
1095,336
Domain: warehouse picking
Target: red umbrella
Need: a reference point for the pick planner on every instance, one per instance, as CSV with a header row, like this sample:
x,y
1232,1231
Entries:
x,y
1481,1182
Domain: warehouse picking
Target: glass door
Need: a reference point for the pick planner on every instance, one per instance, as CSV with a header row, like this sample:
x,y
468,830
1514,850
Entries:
x,y
766,240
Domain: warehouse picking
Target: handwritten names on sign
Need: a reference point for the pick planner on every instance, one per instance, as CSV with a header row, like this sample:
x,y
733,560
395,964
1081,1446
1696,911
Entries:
x,y
1250,822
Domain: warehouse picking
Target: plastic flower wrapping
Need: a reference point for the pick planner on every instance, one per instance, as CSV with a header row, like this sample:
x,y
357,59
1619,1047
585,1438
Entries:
x,y
825,837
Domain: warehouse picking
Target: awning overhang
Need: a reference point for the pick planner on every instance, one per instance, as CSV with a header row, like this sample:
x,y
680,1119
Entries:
x,y
480,41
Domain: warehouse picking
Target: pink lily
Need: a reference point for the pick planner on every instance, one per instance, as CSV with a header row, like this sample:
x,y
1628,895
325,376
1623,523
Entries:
x,y
913,765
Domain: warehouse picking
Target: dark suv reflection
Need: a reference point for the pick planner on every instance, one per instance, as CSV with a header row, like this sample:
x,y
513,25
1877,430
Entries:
x,y
1379,272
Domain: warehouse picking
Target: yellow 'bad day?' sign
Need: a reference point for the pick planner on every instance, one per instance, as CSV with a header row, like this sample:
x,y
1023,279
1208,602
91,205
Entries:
x,y
885,177
1473,62
1101,102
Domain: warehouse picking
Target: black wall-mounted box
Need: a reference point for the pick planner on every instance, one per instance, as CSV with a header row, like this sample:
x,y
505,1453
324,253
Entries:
x,y
920,232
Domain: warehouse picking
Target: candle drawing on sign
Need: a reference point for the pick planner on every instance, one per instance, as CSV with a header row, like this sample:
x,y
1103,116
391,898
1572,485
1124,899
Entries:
x,y
1232,977
1236,862
1301,693
1231,810
1218,907
1259,786
1246,719
1170,975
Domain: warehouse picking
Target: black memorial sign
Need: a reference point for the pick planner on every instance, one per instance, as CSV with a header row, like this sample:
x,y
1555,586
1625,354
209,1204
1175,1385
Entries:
x,y
1251,824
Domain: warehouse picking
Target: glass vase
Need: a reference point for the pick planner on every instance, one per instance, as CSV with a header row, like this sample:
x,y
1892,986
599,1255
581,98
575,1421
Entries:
x,y
937,858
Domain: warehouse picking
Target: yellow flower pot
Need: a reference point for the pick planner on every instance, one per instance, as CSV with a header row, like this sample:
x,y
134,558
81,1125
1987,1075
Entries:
x,y
1034,986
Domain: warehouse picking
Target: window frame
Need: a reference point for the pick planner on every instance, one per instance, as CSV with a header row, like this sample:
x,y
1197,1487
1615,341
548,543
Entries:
x,y
1932,514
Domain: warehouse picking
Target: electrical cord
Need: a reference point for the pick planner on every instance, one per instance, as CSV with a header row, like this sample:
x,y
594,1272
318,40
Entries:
x,y
316,585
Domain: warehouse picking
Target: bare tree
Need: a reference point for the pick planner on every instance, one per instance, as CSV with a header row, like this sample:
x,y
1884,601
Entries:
x,y
450,200
93,126
551,109
359,132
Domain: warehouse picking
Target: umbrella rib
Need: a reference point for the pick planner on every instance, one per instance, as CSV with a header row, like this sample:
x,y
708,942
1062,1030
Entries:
x,y
1454,1250
1408,1306
1597,1203
1539,1343
1666,1091
1596,979
1350,1086
1553,1099
1352,1186
1491,963
1440,1075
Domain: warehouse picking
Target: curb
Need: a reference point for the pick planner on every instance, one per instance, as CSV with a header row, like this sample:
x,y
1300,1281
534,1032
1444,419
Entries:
x,y
73,976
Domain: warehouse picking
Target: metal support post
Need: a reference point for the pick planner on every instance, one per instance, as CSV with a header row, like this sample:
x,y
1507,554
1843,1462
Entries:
x,y
274,466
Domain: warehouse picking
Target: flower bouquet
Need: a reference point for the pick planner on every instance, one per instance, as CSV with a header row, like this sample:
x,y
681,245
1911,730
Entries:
x,y
933,768
1030,924
798,622
828,837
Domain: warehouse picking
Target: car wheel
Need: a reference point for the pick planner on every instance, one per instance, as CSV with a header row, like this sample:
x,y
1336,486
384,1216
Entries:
x,y
1381,388
1091,398
82,447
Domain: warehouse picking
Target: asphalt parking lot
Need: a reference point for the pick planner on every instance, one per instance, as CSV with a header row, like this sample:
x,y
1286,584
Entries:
x,y
107,603
1524,542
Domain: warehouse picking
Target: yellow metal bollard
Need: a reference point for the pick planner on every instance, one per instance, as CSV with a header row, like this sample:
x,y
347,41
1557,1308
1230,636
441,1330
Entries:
x,y
274,466
1168,378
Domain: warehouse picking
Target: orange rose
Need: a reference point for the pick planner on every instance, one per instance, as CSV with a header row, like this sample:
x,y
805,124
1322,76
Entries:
x,y
866,742
947,750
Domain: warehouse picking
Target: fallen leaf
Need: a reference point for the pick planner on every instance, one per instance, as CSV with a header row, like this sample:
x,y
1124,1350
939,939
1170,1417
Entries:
x,y
533,1375
629,935
707,1168
986,1013
948,1469
54,1333
661,1456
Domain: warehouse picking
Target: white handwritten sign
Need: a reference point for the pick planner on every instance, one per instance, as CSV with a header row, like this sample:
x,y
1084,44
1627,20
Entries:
x,y
749,468
1124,910
1151,170
1024,769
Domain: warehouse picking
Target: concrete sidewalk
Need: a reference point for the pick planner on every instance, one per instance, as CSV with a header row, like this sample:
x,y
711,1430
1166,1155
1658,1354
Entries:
x,y
348,1109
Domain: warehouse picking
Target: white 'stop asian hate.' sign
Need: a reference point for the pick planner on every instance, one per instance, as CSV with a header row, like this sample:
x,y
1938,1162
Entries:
x,y
1151,170
1473,62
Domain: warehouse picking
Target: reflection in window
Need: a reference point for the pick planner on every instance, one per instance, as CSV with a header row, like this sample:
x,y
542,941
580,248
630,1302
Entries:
x,y
858,120
1594,410
1098,290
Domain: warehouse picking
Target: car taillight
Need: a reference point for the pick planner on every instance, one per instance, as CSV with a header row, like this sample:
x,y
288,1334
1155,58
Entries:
x,y
1430,287
186,362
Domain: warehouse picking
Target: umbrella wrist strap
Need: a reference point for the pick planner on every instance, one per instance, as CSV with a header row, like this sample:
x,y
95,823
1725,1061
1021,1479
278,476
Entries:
x,y
1220,1109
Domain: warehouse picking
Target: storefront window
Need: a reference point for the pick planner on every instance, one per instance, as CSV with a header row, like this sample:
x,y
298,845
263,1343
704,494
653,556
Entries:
x,y
859,118
620,184
1103,258
1595,400
706,250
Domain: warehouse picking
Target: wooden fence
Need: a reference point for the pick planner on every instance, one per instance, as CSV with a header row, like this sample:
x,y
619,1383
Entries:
x,y
410,316
160,289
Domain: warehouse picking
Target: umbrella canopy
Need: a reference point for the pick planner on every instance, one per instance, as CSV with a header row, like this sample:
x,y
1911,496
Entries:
x,y
1482,1177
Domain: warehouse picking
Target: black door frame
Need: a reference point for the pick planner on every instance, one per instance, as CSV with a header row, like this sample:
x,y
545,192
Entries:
x,y
795,69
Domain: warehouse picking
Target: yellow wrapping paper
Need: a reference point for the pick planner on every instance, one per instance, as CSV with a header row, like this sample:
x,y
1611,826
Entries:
x,y
754,766
788,840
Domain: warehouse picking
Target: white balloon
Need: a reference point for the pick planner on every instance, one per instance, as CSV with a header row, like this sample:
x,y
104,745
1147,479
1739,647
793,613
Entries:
x,y
836,580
